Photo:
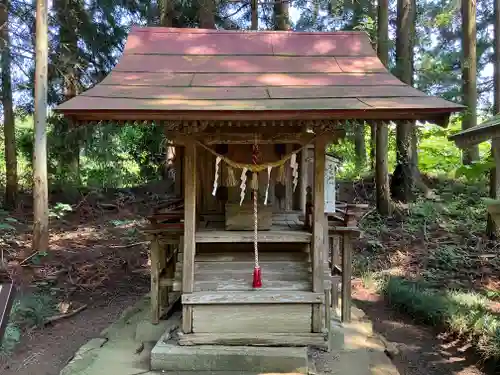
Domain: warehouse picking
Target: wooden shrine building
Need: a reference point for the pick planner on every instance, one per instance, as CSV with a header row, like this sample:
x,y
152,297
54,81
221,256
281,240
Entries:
x,y
243,109
488,130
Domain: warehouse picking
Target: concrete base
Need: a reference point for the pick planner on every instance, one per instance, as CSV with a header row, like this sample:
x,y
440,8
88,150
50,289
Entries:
x,y
125,348
149,332
234,359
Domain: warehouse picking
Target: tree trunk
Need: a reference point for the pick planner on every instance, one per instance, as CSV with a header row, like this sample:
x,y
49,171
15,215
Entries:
x,y
469,74
166,12
255,15
281,16
40,183
381,171
496,59
8,110
360,146
373,132
206,14
492,229
381,133
404,130
383,32
68,55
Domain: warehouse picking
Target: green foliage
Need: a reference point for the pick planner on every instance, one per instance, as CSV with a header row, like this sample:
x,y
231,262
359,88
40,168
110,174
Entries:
x,y
446,264
29,310
59,210
109,156
463,313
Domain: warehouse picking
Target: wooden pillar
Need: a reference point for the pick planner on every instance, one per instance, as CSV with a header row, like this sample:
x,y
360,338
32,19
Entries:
x,y
335,263
155,279
495,146
381,170
303,180
189,231
493,227
318,228
346,276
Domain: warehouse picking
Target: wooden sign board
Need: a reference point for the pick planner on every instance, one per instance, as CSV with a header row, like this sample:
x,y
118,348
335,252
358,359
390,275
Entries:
x,y
330,188
6,300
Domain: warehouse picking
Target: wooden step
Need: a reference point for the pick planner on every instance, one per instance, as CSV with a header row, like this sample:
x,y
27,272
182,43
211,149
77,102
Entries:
x,y
240,285
255,339
271,236
251,297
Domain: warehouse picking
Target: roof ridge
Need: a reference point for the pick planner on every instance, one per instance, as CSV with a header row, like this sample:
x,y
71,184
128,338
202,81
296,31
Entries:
x,y
174,30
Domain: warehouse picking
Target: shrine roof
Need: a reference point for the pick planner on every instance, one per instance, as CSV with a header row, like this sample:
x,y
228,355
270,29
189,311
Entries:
x,y
168,73
479,133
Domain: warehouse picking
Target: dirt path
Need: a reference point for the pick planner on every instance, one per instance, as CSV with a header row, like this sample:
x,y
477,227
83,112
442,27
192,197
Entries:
x,y
47,351
421,351
97,258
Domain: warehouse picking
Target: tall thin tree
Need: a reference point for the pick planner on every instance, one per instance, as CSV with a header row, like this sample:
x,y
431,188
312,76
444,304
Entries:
x,y
166,14
281,15
469,73
254,15
166,10
359,128
40,183
206,14
67,12
492,229
383,31
9,126
381,171
406,17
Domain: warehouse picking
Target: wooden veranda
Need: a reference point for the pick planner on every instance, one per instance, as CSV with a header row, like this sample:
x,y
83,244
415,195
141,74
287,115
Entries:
x,y
254,102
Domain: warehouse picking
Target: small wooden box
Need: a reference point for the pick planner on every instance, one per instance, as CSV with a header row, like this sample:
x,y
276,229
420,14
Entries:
x,y
241,217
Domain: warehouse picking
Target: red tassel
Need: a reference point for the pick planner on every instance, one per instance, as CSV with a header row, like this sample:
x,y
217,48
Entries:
x,y
257,279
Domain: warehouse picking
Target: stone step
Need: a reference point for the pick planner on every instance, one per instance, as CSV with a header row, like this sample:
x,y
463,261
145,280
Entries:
x,y
236,359
215,373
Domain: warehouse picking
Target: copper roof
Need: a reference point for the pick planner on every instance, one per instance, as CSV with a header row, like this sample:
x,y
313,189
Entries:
x,y
179,73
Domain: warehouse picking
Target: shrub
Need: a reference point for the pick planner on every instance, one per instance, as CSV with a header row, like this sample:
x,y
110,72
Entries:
x,y
463,313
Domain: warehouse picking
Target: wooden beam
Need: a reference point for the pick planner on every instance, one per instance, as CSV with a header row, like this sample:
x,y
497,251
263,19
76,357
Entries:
x,y
189,231
318,228
238,137
388,114
251,297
